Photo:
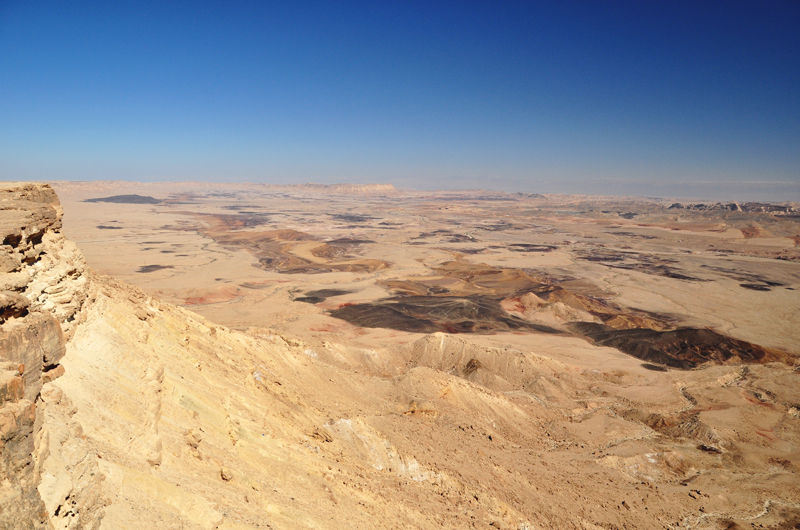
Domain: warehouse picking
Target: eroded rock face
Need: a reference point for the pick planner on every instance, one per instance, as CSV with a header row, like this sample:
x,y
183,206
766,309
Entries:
x,y
36,344
71,482
20,426
40,291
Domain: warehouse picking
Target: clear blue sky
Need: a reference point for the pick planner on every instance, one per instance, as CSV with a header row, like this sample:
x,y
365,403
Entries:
x,y
639,97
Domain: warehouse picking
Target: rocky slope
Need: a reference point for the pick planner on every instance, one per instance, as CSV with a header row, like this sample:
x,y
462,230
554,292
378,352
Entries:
x,y
121,411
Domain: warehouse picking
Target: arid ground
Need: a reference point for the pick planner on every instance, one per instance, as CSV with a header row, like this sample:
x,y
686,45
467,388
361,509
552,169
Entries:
x,y
456,359
376,266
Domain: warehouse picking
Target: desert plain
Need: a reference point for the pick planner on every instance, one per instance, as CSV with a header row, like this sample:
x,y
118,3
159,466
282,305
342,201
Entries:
x,y
360,356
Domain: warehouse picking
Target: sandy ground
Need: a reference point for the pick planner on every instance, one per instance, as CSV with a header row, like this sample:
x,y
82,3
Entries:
x,y
204,247
437,346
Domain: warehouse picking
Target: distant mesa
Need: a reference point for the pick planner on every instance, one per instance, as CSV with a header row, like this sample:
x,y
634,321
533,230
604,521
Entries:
x,y
127,199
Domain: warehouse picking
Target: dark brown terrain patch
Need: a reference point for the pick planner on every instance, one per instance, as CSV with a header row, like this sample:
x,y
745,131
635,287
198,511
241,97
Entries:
x,y
429,314
500,227
153,268
328,293
632,234
654,367
526,247
602,258
320,295
461,238
472,366
751,280
309,299
353,218
348,242
236,207
465,280
755,287
425,235
464,250
249,220
632,261
683,348
384,316
657,270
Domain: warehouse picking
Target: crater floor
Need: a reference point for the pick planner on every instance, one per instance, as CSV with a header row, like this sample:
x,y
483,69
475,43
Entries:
x,y
519,361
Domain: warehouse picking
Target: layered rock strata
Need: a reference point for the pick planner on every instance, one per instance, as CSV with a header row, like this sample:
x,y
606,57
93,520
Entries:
x,y
42,290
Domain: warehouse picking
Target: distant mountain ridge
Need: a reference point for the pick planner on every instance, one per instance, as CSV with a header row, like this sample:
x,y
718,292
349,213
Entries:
x,y
773,208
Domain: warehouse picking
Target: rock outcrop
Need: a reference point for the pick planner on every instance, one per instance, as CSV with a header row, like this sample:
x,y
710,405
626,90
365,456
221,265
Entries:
x,y
31,346
42,291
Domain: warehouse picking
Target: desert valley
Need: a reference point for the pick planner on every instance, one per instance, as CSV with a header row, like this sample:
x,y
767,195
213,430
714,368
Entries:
x,y
196,355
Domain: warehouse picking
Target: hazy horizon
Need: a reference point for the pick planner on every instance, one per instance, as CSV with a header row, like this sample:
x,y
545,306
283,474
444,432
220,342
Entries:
x,y
696,100
746,192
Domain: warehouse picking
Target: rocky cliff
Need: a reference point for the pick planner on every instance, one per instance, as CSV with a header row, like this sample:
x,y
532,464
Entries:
x,y
42,291
120,411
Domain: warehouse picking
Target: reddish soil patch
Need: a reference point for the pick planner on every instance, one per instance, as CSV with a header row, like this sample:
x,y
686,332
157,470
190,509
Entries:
x,y
750,232
512,305
226,294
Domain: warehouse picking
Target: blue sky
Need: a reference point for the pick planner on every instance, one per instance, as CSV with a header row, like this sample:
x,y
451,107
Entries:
x,y
667,98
